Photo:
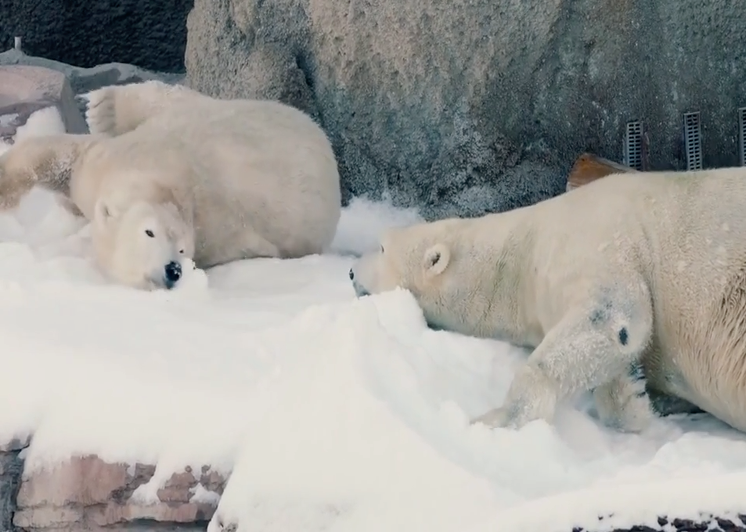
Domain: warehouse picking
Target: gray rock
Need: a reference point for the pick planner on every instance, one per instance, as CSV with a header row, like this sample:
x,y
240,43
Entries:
x,y
264,70
27,89
468,106
86,79
11,468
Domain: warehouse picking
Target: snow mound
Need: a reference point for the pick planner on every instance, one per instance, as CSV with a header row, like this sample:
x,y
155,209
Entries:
x,y
333,413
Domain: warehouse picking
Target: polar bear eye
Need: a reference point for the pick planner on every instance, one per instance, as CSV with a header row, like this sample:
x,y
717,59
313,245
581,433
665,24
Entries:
x,y
181,251
381,249
149,233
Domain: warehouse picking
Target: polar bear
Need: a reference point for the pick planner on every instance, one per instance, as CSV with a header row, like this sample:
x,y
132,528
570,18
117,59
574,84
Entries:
x,y
634,282
179,175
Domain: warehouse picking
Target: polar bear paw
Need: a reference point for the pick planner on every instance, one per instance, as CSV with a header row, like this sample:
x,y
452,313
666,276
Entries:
x,y
532,396
623,403
495,418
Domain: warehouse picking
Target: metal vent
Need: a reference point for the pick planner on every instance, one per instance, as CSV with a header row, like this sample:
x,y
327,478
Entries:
x,y
693,141
633,145
742,135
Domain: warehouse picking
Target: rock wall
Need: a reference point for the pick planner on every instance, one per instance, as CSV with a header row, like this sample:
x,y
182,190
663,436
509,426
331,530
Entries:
x,y
11,469
468,106
148,34
87,493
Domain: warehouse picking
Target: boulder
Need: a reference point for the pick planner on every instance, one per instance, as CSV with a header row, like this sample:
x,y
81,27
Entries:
x,y
26,89
471,106
87,79
11,468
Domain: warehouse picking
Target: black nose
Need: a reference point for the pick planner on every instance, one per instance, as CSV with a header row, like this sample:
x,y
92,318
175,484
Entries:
x,y
352,275
173,272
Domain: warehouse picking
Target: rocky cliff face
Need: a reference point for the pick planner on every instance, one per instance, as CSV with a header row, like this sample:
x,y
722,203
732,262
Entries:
x,y
467,106
149,34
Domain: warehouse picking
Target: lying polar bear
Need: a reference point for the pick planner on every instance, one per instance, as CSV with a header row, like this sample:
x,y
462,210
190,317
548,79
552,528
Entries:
x,y
633,277
171,174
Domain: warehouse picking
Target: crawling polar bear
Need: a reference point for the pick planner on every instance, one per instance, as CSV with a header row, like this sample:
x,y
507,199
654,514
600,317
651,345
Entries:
x,y
632,278
169,173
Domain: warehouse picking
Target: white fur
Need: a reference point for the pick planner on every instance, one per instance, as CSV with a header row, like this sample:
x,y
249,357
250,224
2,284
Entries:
x,y
117,109
632,278
213,180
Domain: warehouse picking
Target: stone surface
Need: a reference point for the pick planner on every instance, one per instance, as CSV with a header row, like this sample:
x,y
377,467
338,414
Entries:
x,y
468,106
15,444
149,34
11,468
86,79
708,523
88,493
26,89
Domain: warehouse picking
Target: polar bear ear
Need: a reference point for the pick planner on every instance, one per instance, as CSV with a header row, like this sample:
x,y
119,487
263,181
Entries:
x,y
436,259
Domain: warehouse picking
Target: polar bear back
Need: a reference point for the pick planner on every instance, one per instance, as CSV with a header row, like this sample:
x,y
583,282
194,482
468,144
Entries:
x,y
677,228
267,164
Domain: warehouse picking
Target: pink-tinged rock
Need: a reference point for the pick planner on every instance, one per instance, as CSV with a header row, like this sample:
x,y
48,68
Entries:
x,y
212,480
177,488
47,518
27,89
86,493
82,480
163,512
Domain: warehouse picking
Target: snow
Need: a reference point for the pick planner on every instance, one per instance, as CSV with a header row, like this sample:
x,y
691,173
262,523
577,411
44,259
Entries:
x,y
331,412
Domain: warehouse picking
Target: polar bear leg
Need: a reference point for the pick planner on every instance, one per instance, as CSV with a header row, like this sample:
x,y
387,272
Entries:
x,y
66,203
45,161
624,403
117,109
592,346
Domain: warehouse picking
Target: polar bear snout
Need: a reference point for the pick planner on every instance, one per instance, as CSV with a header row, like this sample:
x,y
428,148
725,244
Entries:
x,y
171,274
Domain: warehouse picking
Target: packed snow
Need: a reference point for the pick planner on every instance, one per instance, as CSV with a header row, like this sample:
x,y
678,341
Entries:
x,y
333,413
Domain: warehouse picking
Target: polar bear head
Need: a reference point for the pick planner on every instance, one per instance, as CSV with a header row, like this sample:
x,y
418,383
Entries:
x,y
467,275
415,263
141,219
432,262
141,244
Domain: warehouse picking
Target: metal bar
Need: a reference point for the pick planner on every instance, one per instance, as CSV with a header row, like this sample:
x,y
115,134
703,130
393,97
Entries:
x,y
742,136
633,145
693,141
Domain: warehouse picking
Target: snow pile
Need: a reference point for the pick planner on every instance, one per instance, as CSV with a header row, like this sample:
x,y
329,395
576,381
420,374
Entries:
x,y
332,413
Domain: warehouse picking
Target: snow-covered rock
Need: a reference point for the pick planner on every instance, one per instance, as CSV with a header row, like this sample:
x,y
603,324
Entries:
x,y
86,491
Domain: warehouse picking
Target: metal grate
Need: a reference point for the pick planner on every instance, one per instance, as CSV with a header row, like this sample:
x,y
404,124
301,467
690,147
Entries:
x,y
633,145
742,136
693,141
